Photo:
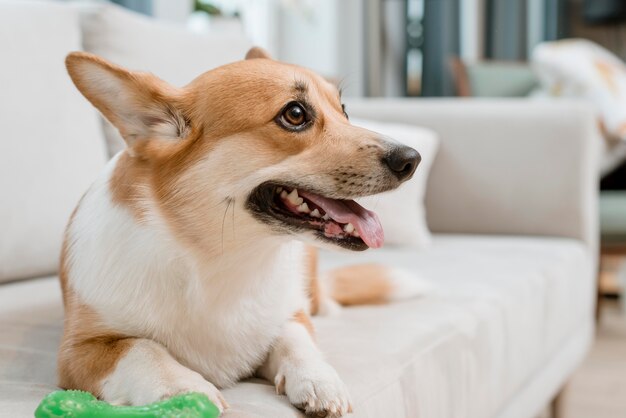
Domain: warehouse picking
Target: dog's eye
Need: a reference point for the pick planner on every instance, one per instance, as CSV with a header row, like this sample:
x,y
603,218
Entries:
x,y
294,115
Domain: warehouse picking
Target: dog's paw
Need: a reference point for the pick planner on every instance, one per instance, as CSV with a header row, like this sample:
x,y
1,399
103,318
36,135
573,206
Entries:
x,y
197,384
314,388
144,391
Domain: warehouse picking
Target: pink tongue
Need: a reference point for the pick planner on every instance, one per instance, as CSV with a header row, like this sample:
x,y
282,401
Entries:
x,y
348,211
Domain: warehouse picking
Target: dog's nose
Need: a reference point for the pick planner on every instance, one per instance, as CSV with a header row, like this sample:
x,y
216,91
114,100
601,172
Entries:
x,y
402,161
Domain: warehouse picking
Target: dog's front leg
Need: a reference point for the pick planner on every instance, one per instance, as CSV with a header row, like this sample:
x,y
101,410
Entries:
x,y
143,372
297,368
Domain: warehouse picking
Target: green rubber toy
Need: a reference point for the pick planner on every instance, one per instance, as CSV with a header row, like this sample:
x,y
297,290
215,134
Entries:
x,y
78,404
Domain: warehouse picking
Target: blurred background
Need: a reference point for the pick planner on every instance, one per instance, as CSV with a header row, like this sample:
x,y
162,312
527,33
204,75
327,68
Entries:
x,y
406,47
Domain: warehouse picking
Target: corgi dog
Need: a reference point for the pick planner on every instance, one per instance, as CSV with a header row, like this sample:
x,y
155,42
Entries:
x,y
187,265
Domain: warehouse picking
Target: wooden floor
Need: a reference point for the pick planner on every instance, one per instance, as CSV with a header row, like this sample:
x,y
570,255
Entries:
x,y
598,389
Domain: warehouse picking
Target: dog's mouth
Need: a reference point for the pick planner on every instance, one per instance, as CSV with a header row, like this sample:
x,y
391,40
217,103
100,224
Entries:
x,y
340,221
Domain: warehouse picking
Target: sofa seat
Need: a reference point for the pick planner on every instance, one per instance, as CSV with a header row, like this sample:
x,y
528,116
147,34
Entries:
x,y
502,309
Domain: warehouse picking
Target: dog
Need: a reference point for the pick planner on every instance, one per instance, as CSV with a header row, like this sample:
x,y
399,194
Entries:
x,y
187,265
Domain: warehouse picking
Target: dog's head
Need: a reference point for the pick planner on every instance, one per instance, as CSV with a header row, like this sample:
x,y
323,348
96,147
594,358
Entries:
x,y
269,141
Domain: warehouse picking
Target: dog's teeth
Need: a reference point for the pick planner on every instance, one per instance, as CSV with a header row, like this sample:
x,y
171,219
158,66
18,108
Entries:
x,y
304,208
283,194
316,213
355,233
279,190
294,199
349,228
325,217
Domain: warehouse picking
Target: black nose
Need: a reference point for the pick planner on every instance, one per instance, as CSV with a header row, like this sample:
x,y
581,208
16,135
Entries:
x,y
402,161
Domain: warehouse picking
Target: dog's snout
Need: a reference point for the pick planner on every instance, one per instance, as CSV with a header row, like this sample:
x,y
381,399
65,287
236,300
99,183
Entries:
x,y
402,161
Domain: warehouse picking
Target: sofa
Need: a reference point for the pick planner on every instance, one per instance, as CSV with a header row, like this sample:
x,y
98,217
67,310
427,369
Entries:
x,y
511,201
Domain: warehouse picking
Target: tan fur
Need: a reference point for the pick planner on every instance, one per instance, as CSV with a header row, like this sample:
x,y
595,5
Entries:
x,y
257,52
89,351
314,286
607,72
65,291
151,98
621,130
302,318
128,183
360,285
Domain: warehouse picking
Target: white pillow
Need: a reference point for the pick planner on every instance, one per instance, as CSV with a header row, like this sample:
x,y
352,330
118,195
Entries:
x,y
578,68
51,145
402,211
170,51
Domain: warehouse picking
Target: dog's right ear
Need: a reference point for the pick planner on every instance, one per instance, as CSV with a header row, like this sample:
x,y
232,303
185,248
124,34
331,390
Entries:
x,y
257,52
140,105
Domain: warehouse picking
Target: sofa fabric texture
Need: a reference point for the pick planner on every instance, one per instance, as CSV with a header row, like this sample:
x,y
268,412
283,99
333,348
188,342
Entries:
x,y
502,308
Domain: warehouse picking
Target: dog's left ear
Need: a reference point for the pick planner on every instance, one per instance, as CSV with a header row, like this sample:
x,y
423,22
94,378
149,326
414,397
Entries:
x,y
141,106
257,52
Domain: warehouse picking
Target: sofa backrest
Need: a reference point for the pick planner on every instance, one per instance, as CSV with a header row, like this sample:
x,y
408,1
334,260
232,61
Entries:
x,y
506,166
51,145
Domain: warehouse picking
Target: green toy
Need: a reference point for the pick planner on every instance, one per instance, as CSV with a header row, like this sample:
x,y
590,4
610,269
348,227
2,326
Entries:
x,y
78,404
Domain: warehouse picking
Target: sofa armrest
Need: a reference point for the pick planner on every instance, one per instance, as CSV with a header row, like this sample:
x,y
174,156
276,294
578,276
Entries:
x,y
520,167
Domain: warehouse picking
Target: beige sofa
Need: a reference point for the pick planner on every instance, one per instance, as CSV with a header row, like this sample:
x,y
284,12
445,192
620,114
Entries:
x,y
511,200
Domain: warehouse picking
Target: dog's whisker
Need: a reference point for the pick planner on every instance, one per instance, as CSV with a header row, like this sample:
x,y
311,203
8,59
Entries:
x,y
233,221
223,221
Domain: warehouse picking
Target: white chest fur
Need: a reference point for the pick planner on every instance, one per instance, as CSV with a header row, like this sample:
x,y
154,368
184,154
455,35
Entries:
x,y
218,317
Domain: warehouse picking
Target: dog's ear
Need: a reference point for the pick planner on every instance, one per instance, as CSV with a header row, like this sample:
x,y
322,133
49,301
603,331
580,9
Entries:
x,y
257,52
140,105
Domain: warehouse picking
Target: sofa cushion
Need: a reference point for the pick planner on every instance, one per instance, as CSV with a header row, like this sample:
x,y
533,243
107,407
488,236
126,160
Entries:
x,y
401,211
171,52
501,309
51,145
